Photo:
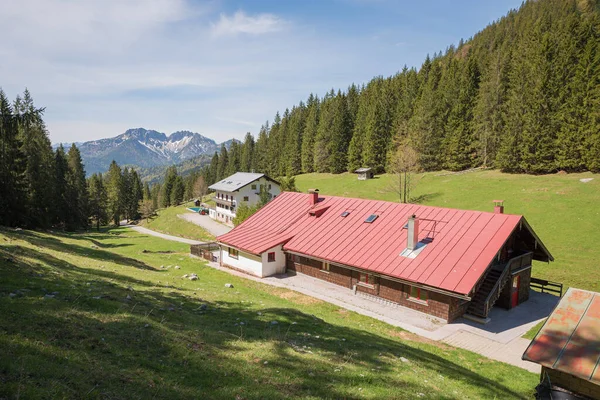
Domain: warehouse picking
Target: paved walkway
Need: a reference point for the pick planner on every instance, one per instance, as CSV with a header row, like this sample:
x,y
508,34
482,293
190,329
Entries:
x,y
147,231
212,226
500,339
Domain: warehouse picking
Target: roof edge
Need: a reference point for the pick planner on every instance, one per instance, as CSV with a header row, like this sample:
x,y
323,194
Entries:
x,y
430,288
537,238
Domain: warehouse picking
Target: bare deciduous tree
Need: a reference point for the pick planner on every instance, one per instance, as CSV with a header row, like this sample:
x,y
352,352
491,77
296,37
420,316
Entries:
x,y
147,209
404,163
200,187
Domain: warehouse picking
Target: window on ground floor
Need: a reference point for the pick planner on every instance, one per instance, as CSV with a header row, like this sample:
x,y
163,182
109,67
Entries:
x,y
365,278
325,266
416,293
233,253
245,198
271,257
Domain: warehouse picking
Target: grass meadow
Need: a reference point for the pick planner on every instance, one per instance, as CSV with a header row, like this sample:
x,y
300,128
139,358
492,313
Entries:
x,y
107,315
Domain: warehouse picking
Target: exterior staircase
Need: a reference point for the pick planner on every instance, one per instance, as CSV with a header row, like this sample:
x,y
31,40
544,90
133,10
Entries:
x,y
495,280
491,287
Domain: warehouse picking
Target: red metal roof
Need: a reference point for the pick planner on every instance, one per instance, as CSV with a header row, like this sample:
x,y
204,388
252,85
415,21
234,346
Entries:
x,y
569,341
464,242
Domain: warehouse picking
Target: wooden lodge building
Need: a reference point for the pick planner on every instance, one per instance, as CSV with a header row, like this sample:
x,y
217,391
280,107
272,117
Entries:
x,y
440,261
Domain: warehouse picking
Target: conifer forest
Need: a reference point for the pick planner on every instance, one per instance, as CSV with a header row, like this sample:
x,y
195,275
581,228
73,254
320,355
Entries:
x,y
522,96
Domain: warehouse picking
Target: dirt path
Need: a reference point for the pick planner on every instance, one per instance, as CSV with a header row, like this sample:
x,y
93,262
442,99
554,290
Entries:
x,y
161,235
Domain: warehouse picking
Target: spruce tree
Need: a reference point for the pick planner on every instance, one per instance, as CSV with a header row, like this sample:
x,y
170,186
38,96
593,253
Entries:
x,y
39,158
223,164
12,168
169,184
293,145
310,132
78,188
63,194
98,200
114,191
247,154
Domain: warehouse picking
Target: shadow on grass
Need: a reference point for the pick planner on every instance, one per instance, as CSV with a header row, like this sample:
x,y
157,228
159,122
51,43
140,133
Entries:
x,y
152,343
45,241
424,198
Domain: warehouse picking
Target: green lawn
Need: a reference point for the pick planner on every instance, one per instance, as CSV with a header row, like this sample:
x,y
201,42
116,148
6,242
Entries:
x,y
530,334
166,221
564,212
108,315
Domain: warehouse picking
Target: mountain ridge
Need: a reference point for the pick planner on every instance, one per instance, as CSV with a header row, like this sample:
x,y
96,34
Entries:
x,y
145,148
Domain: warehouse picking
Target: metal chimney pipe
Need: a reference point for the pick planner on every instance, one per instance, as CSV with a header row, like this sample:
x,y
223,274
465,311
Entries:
x,y
413,233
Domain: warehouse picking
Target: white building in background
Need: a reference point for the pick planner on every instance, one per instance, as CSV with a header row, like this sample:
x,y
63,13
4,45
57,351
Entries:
x,y
239,188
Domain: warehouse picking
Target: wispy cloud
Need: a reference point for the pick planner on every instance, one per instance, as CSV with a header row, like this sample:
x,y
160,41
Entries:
x,y
240,23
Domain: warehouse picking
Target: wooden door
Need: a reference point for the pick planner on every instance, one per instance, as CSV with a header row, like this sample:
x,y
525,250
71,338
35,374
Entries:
x,y
516,284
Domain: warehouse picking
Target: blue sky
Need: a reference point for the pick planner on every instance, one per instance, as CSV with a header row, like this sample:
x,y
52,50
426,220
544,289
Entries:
x,y
220,68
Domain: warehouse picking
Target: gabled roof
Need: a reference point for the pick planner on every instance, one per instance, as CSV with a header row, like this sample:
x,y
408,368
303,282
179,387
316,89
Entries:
x,y
569,341
460,244
237,181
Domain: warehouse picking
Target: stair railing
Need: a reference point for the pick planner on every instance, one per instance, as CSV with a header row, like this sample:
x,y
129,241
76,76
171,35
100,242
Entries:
x,y
497,289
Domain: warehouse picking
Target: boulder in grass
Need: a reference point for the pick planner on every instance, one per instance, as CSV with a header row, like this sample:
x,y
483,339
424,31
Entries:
x,y
193,277
228,285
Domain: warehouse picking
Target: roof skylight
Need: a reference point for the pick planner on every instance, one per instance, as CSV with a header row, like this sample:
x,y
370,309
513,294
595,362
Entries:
x,y
345,214
371,218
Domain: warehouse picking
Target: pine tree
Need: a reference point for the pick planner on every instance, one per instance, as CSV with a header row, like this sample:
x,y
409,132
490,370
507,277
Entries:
x,y
272,155
213,169
77,188
426,127
12,168
135,196
39,158
293,145
114,185
322,146
223,164
355,148
378,127
178,191
146,192
169,184
460,140
489,111
98,200
62,215
247,157
234,158
261,150
309,134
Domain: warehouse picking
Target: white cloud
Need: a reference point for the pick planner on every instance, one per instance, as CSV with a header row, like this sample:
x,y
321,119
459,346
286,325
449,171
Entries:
x,y
100,67
242,23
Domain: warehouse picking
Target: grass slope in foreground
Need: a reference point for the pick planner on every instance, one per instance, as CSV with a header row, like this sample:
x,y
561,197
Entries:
x,y
167,221
121,326
561,209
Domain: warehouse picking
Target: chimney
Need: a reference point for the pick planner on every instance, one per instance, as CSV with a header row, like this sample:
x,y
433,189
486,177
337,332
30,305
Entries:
x,y
498,206
413,233
314,196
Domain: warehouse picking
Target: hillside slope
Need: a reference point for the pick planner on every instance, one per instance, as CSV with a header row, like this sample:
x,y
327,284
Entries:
x,y
107,315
